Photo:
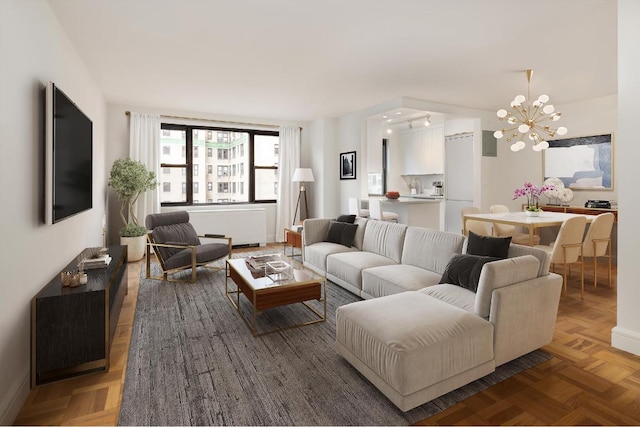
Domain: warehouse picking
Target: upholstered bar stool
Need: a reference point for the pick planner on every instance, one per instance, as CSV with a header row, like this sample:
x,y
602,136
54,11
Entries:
x,y
375,212
355,208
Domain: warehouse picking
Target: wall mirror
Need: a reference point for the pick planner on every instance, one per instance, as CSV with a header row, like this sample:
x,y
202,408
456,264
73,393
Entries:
x,y
582,163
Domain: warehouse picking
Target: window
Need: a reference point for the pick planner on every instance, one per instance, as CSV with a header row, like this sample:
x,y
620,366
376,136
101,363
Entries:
x,y
223,153
241,165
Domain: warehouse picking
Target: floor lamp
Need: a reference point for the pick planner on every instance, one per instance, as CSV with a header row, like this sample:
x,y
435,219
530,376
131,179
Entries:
x,y
302,175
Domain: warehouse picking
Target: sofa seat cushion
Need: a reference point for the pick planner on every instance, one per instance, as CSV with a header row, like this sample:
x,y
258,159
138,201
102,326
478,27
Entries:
x,y
348,266
452,294
392,279
316,254
412,340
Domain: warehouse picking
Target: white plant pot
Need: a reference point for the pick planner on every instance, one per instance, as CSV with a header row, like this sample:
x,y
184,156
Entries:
x,y
532,213
136,246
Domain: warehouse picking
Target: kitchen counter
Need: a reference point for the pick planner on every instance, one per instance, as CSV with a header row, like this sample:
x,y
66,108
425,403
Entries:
x,y
411,199
416,211
422,196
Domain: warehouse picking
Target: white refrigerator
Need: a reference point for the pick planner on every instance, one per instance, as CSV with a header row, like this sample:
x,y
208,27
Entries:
x,y
458,178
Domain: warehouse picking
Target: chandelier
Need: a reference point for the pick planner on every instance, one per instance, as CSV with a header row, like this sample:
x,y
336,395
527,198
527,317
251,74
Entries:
x,y
529,119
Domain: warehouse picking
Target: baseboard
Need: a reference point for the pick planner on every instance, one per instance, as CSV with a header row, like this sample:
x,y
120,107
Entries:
x,y
11,403
626,339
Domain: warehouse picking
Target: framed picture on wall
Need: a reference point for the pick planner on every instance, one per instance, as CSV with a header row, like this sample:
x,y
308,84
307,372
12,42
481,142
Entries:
x,y
582,163
348,165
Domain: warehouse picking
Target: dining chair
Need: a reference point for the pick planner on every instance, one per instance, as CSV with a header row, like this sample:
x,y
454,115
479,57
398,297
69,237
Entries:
x,y
356,208
567,248
478,227
375,212
597,243
505,230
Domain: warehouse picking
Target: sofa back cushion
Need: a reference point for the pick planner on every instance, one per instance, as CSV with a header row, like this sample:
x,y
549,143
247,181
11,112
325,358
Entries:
x,y
384,238
498,274
430,249
359,237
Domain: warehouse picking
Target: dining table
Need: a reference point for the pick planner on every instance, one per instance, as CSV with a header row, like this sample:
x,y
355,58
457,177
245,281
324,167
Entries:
x,y
522,219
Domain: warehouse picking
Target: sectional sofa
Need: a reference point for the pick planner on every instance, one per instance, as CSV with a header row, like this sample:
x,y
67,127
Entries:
x,y
414,337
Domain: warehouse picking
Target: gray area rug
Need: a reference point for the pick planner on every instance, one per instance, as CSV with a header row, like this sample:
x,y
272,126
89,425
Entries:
x,y
193,361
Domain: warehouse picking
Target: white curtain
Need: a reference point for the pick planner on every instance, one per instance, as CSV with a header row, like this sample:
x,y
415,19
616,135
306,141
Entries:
x,y
144,142
287,190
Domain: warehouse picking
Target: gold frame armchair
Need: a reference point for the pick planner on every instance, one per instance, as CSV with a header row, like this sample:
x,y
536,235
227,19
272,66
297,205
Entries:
x,y
177,246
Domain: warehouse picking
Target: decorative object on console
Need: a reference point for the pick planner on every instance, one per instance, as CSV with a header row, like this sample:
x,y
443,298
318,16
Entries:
x,y
529,119
130,179
553,193
565,196
302,175
70,279
348,165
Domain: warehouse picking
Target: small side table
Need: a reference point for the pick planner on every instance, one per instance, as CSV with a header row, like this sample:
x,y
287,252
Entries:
x,y
292,239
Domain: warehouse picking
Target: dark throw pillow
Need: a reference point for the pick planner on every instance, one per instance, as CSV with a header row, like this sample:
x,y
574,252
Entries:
x,y
488,246
350,219
341,233
464,270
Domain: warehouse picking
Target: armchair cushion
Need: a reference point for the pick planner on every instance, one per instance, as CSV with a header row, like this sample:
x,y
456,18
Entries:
x,y
204,253
183,233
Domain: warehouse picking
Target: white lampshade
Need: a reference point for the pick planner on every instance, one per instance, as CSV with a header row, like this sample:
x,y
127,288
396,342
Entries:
x,y
302,175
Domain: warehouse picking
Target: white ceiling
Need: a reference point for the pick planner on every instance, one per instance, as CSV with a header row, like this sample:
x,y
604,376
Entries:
x,y
306,59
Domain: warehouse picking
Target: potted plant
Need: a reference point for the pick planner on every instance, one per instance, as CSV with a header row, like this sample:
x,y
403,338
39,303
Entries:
x,y
130,178
532,193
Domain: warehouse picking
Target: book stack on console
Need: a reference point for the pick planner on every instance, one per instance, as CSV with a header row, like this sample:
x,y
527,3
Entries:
x,y
100,261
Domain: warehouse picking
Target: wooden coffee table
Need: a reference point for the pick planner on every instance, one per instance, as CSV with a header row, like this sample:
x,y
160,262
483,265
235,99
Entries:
x,y
263,293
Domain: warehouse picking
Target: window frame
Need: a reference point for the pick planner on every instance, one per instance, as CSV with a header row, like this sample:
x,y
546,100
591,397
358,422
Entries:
x,y
250,167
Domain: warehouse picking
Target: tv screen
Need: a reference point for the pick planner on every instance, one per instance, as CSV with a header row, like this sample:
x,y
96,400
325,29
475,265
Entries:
x,y
68,157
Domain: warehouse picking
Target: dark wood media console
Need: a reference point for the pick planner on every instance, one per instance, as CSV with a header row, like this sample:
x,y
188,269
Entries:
x,y
72,328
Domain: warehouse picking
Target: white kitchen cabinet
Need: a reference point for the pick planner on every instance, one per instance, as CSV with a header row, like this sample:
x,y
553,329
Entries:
x,y
436,150
422,151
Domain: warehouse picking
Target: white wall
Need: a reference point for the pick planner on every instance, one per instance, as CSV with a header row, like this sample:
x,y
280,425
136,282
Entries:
x,y
626,334
322,148
34,50
118,137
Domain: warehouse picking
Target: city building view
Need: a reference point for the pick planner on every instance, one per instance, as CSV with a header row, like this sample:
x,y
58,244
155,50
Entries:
x,y
220,170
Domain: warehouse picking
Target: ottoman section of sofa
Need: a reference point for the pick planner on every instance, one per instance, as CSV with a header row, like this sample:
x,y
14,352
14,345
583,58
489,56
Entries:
x,y
413,347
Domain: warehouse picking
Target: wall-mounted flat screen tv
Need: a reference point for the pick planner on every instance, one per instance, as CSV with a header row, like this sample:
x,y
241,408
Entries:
x,y
68,157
